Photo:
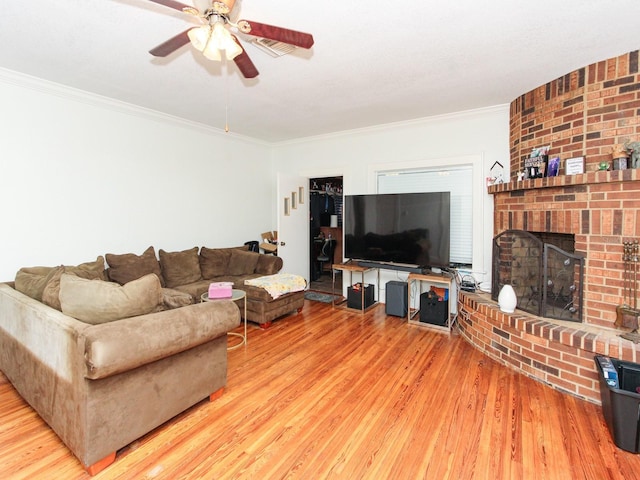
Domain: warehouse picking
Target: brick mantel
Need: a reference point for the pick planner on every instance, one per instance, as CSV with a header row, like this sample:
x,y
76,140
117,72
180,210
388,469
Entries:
x,y
601,209
584,113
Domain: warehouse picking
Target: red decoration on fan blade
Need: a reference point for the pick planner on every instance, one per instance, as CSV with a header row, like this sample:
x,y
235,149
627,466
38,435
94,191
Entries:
x,y
244,63
171,45
279,34
172,4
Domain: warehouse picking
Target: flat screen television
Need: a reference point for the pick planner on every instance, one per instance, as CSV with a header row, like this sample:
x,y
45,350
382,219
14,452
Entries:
x,y
403,228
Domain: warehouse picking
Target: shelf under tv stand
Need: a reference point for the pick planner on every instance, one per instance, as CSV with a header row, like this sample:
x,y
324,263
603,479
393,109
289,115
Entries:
x,y
438,279
352,267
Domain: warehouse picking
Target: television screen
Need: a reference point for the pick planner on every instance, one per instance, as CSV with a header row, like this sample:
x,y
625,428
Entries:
x,y
405,228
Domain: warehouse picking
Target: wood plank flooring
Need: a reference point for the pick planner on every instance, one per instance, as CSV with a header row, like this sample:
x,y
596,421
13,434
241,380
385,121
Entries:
x,y
330,394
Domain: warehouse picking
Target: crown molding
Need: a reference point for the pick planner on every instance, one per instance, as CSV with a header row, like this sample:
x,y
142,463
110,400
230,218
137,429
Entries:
x,y
502,109
47,87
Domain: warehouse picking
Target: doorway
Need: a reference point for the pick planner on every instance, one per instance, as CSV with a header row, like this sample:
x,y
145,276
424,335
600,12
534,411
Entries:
x,y
325,231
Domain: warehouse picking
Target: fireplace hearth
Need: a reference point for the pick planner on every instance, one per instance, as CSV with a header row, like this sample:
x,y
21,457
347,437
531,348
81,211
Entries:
x,y
543,269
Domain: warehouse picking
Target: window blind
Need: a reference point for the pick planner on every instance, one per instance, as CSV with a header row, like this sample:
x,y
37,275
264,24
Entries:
x,y
456,180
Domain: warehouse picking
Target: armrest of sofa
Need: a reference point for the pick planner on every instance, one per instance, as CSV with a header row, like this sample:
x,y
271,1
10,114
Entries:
x,y
122,345
268,264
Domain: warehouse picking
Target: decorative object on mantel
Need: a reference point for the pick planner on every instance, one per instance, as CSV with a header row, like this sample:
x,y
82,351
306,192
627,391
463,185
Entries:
x,y
507,299
536,165
634,149
627,315
497,174
574,166
619,156
554,167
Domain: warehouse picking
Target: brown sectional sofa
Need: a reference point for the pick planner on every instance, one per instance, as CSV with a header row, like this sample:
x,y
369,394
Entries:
x,y
105,356
101,386
191,271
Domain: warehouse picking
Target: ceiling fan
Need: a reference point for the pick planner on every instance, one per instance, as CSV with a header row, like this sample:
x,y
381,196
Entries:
x,y
214,35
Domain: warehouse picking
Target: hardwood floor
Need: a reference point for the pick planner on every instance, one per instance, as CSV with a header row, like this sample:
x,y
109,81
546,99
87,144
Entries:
x,y
334,394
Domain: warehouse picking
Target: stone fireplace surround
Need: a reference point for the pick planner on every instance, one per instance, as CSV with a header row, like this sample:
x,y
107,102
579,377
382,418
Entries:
x,y
583,113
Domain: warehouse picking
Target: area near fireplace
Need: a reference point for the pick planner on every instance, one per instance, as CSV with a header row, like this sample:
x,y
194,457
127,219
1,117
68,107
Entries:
x,y
584,113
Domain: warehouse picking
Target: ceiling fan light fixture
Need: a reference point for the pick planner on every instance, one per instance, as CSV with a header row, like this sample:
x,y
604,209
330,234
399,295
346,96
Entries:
x,y
210,39
199,36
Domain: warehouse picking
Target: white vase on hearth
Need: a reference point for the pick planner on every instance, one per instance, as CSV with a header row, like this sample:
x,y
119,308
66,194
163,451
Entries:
x,y
507,299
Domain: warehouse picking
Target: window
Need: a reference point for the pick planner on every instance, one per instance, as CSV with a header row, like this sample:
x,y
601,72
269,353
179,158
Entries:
x,y
458,181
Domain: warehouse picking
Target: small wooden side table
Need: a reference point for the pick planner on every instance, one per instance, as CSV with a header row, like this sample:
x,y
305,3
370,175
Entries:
x,y
353,267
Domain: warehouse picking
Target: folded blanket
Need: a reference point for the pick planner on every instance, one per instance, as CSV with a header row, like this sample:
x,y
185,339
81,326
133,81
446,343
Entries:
x,y
279,284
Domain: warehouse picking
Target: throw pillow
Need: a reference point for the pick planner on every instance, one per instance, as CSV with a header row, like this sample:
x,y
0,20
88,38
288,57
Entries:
x,y
97,301
126,267
32,280
88,271
242,263
214,262
268,264
175,298
180,268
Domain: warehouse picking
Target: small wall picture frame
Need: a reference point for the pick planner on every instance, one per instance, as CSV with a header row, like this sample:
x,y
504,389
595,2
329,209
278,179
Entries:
x,y
553,167
574,166
287,206
294,200
301,194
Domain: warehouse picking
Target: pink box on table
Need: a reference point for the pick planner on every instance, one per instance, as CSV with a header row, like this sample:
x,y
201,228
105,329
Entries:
x,y
220,290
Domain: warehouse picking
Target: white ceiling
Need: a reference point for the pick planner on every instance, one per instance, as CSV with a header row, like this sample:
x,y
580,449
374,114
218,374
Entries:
x,y
373,62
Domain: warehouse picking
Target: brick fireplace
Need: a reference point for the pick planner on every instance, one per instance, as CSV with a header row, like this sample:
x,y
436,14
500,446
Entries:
x,y
584,113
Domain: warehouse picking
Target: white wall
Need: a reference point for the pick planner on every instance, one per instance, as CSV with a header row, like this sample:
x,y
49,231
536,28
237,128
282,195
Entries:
x,y
82,176
482,135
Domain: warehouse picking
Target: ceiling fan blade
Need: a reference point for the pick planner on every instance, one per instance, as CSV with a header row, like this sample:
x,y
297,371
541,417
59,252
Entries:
x,y
171,45
244,63
172,4
284,35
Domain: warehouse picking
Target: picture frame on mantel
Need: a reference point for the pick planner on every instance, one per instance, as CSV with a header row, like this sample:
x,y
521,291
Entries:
x,y
574,166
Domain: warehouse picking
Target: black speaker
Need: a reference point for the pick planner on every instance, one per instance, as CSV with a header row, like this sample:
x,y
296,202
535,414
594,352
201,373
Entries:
x,y
396,298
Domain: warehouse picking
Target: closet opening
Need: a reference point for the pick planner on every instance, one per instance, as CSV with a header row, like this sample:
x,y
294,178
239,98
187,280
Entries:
x,y
325,211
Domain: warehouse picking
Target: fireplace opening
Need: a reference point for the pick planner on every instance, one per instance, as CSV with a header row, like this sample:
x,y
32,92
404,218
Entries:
x,y
544,271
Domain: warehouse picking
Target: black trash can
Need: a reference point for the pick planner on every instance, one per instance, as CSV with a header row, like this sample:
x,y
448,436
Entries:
x,y
619,387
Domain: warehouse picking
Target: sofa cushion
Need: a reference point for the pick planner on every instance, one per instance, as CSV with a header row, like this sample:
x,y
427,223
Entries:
x,y
88,271
172,298
32,280
98,301
128,266
214,262
268,264
180,268
242,263
195,289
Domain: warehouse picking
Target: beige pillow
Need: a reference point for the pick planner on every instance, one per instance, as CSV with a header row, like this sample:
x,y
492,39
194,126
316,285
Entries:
x,y
128,266
175,298
180,268
97,301
32,280
243,263
88,271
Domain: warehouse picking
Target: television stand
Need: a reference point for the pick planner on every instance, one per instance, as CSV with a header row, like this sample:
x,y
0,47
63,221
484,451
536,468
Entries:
x,y
361,269
441,280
